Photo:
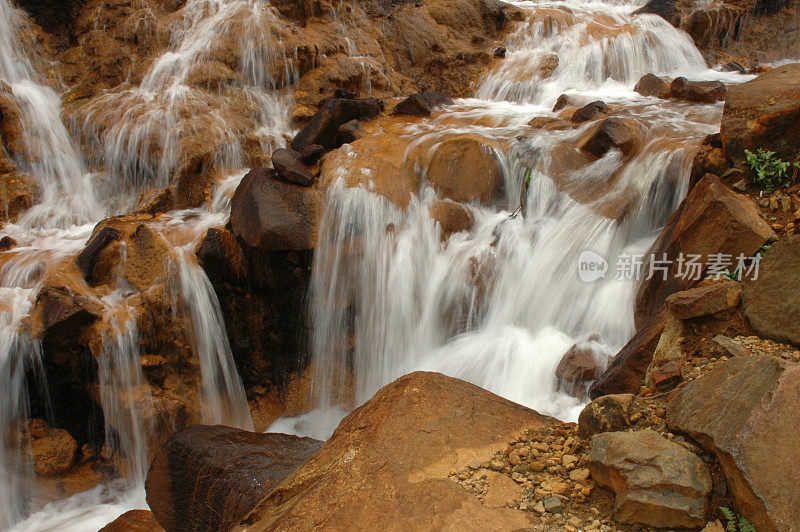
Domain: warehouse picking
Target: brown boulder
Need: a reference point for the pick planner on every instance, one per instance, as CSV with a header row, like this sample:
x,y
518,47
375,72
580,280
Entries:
x,y
589,111
745,412
350,131
54,452
626,372
712,220
613,132
209,477
656,482
466,168
452,217
63,314
222,257
387,464
270,214
652,85
578,364
608,413
697,91
772,300
323,128
421,104
289,166
764,113
93,261
134,521
704,300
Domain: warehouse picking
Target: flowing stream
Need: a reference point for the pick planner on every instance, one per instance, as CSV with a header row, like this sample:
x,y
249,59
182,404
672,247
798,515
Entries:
x,y
497,305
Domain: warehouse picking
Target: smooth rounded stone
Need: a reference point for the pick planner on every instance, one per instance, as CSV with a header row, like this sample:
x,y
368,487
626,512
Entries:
x,y
705,300
772,301
606,414
698,91
624,134
712,220
452,217
270,214
90,260
652,85
579,363
500,52
589,111
312,153
745,412
289,166
7,243
466,168
656,482
209,477
563,101
763,113
424,103
54,452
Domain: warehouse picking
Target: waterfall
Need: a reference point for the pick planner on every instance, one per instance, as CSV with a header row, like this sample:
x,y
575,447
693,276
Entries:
x,y
500,304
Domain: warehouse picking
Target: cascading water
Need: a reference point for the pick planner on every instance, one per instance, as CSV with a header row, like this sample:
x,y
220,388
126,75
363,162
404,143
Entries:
x,y
500,304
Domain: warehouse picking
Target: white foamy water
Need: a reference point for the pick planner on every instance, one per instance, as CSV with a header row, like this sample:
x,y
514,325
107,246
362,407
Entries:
x,y
500,305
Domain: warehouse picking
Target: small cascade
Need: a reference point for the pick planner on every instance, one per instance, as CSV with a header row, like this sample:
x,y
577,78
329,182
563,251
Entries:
x,y
67,195
224,400
139,132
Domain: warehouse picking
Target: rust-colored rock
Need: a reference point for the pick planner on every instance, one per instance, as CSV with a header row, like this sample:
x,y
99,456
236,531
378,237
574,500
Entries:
x,y
222,257
92,261
578,364
466,168
652,85
745,412
54,452
764,113
704,300
387,464
453,217
613,132
697,91
712,220
772,300
270,214
422,104
209,477
627,370
134,521
608,413
656,482
589,111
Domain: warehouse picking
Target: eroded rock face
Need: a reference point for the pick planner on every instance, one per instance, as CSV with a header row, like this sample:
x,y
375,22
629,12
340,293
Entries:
x,y
466,168
134,521
764,113
210,477
626,372
713,219
745,412
771,301
274,215
656,482
711,298
386,465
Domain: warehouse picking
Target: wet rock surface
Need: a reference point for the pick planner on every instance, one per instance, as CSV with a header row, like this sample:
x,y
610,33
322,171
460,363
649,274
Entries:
x,y
210,477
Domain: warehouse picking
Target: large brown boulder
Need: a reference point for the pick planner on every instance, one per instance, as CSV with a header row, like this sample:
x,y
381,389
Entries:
x,y
710,298
772,300
764,113
712,220
608,413
745,412
289,166
626,372
613,132
697,91
270,214
466,168
656,482
209,477
652,85
386,466
579,363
